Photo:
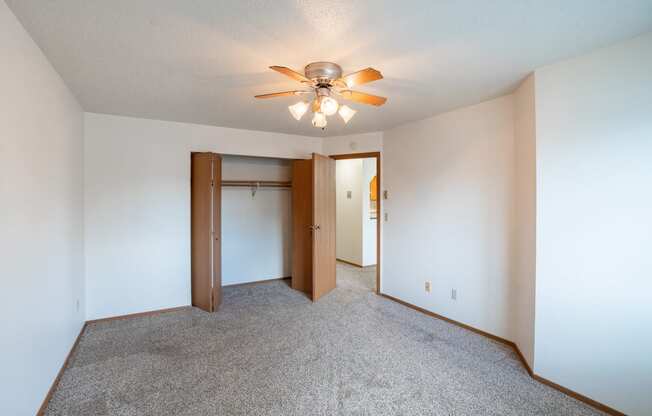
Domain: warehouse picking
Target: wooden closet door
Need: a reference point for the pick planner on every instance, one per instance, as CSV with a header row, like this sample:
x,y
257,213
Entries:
x,y
217,232
205,229
323,236
301,226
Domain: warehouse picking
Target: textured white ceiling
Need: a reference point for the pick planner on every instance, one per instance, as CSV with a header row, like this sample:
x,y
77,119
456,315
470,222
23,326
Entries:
x,y
202,61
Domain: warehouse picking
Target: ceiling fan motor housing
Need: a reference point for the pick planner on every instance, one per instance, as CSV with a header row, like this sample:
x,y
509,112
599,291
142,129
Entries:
x,y
323,72
323,92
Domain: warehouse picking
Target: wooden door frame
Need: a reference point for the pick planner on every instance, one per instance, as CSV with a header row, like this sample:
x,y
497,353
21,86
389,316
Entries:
x,y
379,210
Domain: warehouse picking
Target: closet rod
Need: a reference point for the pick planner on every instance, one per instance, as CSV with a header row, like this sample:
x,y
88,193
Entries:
x,y
275,184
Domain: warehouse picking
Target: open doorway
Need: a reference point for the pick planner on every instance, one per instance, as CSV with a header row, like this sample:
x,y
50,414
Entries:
x,y
357,220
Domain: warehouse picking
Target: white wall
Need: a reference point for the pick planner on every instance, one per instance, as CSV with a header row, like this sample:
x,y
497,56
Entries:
x,y
524,254
594,228
349,230
137,205
256,230
41,229
450,206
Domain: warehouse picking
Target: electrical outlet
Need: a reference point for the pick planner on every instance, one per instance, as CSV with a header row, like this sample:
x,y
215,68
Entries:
x,y
385,194
454,294
427,286
77,305
385,217
349,194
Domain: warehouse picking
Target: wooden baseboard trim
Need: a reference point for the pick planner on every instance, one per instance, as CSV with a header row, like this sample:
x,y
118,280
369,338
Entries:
x,y
135,315
55,383
602,407
257,282
451,321
522,358
568,392
350,263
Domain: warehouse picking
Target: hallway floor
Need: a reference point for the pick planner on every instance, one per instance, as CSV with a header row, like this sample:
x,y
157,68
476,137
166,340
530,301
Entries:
x,y
356,278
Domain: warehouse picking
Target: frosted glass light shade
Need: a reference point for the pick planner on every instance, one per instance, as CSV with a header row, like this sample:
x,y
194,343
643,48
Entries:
x,y
346,113
328,106
298,110
319,120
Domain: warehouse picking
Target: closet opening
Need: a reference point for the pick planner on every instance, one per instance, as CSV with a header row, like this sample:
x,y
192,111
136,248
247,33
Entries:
x,y
256,219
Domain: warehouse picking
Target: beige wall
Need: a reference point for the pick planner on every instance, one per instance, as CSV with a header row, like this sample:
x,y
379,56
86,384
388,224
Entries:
x,y
137,190
355,143
450,209
524,254
41,220
594,228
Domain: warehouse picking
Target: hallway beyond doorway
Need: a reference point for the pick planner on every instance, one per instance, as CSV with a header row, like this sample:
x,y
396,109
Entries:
x,y
353,277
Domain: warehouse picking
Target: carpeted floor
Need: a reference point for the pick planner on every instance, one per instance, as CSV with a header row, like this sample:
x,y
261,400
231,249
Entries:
x,y
270,351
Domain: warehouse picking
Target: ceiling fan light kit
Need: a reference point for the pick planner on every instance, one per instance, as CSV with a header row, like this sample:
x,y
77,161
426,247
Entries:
x,y
329,106
324,79
346,113
319,120
298,110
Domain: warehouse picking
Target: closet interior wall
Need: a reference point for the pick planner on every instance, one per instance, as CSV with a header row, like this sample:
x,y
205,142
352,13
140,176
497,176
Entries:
x,y
256,220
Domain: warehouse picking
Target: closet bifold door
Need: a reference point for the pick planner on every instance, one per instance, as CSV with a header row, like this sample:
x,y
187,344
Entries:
x,y
323,230
313,226
301,224
205,229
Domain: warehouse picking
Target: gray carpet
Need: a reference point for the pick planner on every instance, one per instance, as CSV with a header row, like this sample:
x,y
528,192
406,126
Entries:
x,y
270,351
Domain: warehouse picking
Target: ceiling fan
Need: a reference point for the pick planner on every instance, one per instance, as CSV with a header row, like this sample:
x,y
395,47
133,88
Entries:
x,y
325,80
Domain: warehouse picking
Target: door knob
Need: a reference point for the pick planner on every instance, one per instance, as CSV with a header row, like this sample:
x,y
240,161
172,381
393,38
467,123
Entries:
x,y
314,227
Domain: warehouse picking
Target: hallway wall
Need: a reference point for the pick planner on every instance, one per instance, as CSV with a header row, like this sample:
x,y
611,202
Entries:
x,y
349,205
368,224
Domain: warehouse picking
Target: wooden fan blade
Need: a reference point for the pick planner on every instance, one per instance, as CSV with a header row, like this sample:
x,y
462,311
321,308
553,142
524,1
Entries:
x,y
281,94
361,97
290,73
360,77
